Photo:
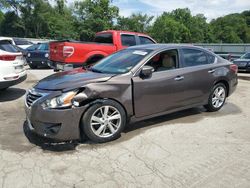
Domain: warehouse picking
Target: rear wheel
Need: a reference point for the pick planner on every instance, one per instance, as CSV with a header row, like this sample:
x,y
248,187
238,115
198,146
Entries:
x,y
217,98
104,121
3,89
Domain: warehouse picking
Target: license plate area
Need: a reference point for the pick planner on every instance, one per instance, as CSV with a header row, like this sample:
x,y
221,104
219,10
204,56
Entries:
x,y
59,67
19,68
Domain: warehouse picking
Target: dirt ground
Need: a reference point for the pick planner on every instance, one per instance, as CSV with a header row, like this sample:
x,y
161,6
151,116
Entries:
x,y
191,148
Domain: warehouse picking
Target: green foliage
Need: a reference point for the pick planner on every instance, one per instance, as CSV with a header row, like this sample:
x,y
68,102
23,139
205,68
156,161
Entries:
x,y
136,22
1,20
93,16
232,28
12,25
167,30
180,26
44,19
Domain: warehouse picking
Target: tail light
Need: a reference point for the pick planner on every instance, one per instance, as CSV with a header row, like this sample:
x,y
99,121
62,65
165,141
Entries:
x,y
8,57
234,68
68,51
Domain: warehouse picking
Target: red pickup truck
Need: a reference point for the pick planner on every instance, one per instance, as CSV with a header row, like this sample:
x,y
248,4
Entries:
x,y
65,55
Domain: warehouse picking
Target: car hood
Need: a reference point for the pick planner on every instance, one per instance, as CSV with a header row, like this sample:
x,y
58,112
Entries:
x,y
71,79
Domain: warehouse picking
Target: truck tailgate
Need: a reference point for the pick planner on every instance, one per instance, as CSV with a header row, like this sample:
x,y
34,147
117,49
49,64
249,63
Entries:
x,y
56,51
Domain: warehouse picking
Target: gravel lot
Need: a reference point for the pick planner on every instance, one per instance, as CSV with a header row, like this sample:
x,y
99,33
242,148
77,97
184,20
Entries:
x,y
192,148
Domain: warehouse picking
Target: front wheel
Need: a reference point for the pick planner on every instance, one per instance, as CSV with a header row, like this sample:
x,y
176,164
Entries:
x,y
217,98
104,121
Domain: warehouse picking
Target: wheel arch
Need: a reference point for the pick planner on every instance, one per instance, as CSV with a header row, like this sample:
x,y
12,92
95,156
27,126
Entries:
x,y
96,54
96,101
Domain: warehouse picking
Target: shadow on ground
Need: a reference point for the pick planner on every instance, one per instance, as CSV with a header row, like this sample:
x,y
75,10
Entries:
x,y
244,77
11,94
186,116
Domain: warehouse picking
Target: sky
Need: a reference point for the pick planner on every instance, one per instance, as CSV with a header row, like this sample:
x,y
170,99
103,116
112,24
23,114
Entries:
x,y
210,8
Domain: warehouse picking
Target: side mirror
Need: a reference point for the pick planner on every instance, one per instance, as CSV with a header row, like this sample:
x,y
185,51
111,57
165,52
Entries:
x,y
146,72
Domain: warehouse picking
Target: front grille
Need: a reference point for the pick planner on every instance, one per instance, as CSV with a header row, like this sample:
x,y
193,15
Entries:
x,y
31,98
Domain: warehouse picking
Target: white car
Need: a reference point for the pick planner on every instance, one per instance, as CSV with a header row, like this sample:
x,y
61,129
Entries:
x,y
12,69
21,43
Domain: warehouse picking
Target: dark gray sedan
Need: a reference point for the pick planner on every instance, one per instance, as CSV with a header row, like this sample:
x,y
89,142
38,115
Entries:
x,y
243,62
131,85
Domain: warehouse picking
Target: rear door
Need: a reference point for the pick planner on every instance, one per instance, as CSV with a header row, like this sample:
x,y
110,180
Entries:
x,y
198,67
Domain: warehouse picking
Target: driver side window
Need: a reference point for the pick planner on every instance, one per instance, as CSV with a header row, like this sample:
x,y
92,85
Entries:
x,y
167,60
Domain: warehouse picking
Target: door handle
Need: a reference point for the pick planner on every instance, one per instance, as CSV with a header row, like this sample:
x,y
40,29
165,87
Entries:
x,y
211,71
179,78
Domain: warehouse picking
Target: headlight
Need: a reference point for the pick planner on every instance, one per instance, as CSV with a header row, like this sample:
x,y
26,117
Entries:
x,y
46,55
62,101
28,54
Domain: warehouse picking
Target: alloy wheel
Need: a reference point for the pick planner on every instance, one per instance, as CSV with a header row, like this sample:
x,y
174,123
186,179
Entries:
x,y
105,121
219,96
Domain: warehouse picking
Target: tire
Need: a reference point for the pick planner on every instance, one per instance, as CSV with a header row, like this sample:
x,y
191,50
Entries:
x,y
97,125
3,89
32,66
93,60
216,101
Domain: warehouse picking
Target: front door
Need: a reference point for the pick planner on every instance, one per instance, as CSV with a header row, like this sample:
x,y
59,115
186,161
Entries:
x,y
165,90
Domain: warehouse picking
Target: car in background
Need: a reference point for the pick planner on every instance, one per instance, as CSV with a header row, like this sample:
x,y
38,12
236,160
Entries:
x,y
243,62
29,49
66,55
133,84
20,42
38,56
12,62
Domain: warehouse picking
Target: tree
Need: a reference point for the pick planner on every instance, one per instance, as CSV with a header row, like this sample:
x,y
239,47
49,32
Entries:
x,y
12,25
1,20
93,16
11,5
167,30
226,30
135,22
61,23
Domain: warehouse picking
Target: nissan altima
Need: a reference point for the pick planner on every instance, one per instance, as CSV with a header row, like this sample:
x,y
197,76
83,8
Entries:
x,y
131,85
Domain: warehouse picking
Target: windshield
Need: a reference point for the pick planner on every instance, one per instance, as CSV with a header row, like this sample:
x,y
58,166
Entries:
x,y
120,62
246,56
33,47
43,47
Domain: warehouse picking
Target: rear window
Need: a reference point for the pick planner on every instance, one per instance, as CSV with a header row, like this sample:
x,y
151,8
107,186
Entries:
x,y
44,46
22,41
193,57
104,38
7,46
128,40
145,40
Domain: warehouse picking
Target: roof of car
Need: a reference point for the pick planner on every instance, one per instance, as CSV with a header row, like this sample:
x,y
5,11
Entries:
x,y
6,38
123,31
163,46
